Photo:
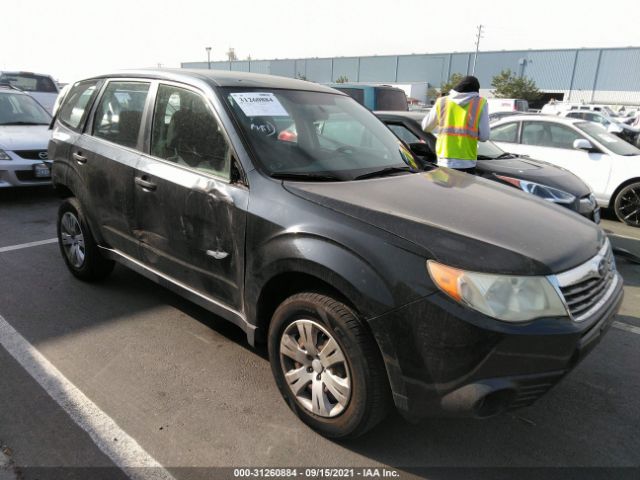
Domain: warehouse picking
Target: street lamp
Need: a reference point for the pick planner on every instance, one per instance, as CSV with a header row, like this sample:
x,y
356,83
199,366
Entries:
x,y
208,49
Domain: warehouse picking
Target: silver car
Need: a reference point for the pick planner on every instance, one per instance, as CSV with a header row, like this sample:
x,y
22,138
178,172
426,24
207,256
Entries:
x,y
24,136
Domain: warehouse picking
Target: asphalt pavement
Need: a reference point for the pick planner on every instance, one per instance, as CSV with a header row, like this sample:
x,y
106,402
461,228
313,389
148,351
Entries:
x,y
184,388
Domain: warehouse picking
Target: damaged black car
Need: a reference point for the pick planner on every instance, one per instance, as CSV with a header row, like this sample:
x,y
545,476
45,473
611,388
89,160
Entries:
x,y
290,210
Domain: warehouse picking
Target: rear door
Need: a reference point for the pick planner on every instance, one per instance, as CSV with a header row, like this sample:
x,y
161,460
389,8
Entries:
x,y
107,154
190,211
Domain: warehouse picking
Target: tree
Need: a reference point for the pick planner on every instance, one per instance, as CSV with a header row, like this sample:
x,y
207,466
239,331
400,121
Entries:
x,y
342,79
445,87
508,85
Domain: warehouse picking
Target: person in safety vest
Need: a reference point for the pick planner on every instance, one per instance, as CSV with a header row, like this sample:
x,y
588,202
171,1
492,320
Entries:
x,y
462,119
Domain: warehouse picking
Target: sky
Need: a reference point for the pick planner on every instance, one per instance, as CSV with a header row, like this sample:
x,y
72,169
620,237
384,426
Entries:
x,y
73,39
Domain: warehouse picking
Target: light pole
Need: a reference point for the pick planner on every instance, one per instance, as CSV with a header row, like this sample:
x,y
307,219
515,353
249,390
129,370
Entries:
x,y
208,49
475,55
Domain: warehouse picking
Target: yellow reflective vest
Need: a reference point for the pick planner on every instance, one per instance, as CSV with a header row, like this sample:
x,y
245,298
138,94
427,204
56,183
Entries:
x,y
458,128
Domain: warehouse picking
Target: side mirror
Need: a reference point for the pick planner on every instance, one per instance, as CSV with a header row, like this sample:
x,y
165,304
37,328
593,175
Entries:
x,y
583,144
420,149
613,128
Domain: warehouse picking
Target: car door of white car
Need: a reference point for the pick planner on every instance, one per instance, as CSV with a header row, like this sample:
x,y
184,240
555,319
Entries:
x,y
553,143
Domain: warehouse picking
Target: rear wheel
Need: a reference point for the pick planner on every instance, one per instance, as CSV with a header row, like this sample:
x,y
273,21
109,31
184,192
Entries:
x,y
627,205
77,245
327,366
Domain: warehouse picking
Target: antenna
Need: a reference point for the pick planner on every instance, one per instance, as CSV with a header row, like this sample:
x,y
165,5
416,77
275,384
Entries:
x,y
475,56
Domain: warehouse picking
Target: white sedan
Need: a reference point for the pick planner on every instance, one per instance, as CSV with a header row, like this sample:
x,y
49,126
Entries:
x,y
608,164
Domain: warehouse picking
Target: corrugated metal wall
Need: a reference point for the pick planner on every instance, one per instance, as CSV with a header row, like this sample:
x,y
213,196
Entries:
x,y
595,75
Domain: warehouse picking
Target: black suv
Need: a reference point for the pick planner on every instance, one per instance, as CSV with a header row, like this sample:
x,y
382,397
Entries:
x,y
293,212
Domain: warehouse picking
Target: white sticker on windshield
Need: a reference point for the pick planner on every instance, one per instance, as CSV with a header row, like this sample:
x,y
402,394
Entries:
x,y
607,138
259,104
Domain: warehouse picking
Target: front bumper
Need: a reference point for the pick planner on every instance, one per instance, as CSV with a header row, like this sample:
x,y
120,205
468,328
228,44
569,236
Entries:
x,y
19,172
445,359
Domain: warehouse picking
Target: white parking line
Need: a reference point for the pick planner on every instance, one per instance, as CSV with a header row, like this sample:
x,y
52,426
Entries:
x,y
27,245
627,327
125,452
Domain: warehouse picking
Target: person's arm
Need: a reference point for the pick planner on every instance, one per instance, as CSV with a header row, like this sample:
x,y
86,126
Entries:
x,y
484,130
429,121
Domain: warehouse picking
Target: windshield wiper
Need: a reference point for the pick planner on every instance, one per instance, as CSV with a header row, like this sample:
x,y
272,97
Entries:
x,y
23,123
319,177
383,172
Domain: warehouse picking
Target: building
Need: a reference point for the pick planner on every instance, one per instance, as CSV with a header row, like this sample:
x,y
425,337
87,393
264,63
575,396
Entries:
x,y
602,75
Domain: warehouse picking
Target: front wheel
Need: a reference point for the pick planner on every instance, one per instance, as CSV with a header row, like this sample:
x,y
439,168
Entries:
x,y
77,245
327,366
627,205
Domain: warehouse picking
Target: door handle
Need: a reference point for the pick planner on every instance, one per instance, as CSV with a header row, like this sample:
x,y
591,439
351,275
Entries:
x,y
145,184
217,254
79,158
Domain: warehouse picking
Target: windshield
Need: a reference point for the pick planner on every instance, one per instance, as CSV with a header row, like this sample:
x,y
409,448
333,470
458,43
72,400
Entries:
x,y
312,134
21,109
29,82
611,142
489,150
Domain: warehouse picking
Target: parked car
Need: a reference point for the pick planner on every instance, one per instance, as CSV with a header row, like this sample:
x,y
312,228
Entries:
x,y
24,135
544,180
494,116
613,125
608,164
41,87
375,97
507,105
557,108
370,283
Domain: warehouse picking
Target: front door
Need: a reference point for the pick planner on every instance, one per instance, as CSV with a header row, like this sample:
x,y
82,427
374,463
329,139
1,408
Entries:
x,y
189,215
553,143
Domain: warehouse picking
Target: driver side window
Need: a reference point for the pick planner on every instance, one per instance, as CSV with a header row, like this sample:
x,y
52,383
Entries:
x,y
186,132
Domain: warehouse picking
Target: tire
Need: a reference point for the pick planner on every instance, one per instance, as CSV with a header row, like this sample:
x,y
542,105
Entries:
x,y
354,391
627,205
77,245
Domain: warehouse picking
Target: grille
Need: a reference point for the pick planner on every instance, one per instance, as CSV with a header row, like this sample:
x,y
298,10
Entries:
x,y
585,288
32,154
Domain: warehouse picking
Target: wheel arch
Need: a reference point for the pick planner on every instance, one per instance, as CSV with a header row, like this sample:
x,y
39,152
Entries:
x,y
617,191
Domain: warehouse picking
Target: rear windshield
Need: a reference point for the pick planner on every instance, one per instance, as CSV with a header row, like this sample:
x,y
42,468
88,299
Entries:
x,y
611,142
390,99
29,82
21,109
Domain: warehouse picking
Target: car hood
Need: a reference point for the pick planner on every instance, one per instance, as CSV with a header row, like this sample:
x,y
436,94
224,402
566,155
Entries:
x,y
465,221
24,137
535,171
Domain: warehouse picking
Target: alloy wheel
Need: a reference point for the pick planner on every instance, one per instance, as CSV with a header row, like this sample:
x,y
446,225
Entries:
x,y
315,368
72,239
629,205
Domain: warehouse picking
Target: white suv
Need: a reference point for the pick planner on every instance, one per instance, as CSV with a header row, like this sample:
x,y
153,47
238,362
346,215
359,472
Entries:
x,y
608,164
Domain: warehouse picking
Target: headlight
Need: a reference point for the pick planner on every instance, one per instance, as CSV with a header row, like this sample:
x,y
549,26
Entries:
x,y
505,297
3,155
539,190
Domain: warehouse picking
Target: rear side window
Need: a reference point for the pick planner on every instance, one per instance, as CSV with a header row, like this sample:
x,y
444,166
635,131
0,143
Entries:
x,y
356,93
505,133
76,103
119,113
186,132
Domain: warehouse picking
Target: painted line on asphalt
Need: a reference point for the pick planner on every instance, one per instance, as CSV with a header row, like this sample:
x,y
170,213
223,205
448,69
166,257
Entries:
x,y
623,236
626,327
125,452
27,245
